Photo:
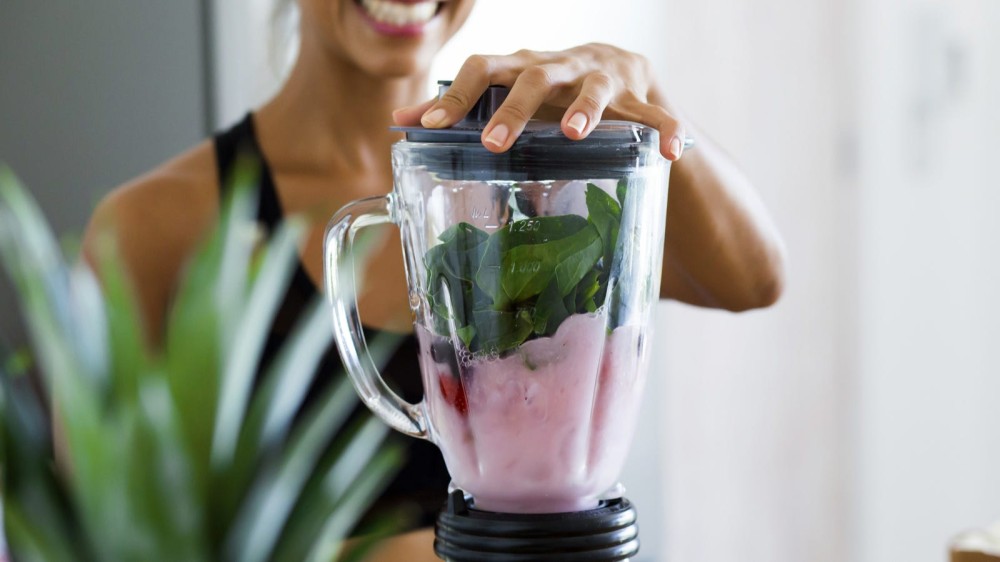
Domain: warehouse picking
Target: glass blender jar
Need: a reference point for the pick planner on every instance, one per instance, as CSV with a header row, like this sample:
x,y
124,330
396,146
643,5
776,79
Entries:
x,y
532,275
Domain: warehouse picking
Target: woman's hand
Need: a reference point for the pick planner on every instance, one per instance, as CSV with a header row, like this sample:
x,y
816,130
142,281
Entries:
x,y
721,247
583,84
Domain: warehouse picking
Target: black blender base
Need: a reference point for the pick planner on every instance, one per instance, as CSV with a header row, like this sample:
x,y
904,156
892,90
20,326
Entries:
x,y
607,533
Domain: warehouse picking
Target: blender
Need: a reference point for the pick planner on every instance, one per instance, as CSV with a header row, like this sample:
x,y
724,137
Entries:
x,y
532,276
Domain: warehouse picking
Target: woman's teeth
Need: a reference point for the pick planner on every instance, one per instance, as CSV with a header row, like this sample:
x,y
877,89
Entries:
x,y
396,13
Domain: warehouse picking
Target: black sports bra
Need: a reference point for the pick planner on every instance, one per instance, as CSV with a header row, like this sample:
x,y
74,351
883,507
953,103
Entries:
x,y
423,480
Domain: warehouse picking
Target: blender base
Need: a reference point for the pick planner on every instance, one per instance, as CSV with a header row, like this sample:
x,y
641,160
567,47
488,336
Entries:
x,y
607,533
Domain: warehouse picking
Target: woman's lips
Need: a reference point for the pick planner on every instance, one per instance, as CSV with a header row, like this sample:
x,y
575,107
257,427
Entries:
x,y
398,18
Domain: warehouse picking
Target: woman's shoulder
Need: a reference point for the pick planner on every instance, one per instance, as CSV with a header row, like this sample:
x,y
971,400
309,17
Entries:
x,y
190,174
172,200
156,221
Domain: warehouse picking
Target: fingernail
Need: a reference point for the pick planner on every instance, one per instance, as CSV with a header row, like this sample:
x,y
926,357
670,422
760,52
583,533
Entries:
x,y
577,122
434,118
498,136
675,148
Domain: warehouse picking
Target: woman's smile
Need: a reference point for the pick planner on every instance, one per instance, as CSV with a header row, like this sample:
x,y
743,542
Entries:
x,y
399,17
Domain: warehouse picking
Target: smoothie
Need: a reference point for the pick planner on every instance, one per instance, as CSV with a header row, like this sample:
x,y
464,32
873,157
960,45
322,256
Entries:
x,y
545,428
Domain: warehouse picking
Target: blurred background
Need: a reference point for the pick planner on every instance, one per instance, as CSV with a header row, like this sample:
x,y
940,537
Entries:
x,y
857,420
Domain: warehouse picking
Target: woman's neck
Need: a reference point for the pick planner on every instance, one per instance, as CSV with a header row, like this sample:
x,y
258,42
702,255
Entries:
x,y
331,117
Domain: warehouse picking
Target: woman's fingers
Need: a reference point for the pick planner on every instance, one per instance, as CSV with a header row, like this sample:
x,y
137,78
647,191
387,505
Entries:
x,y
476,74
591,85
531,89
410,116
671,131
596,92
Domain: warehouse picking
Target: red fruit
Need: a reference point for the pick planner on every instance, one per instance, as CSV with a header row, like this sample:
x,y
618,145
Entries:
x,y
453,392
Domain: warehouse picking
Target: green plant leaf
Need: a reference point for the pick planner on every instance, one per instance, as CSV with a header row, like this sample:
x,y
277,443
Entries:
x,y
129,356
166,512
353,457
38,521
273,496
244,354
138,427
352,505
33,542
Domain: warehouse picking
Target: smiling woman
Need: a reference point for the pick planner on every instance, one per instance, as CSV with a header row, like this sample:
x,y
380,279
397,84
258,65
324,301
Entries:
x,y
324,140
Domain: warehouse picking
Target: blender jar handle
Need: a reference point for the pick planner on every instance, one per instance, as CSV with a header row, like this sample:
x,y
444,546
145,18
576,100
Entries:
x,y
347,328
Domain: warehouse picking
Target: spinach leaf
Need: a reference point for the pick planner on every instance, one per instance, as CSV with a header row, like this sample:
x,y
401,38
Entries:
x,y
502,331
488,274
467,334
499,290
588,289
550,310
606,216
577,255
518,260
461,249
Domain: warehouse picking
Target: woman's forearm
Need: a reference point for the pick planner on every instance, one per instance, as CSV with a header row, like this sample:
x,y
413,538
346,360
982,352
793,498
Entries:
x,y
722,249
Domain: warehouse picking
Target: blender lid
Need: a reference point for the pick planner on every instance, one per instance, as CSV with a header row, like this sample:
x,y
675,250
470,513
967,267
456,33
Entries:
x,y
469,130
614,149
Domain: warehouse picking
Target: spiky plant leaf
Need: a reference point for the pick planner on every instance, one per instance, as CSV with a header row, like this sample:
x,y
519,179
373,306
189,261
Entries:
x,y
247,346
169,455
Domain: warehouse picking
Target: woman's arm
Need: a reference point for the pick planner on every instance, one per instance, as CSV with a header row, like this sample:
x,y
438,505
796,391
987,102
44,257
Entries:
x,y
721,248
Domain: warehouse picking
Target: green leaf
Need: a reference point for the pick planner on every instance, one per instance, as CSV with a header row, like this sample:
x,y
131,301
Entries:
x,y
508,277
606,216
560,256
527,269
550,310
17,363
136,483
502,331
578,256
622,192
359,454
241,361
489,276
165,506
273,496
127,343
588,288
352,504
32,541
38,524
466,334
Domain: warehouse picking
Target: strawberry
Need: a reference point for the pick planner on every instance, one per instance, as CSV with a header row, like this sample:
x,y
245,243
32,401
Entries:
x,y
453,392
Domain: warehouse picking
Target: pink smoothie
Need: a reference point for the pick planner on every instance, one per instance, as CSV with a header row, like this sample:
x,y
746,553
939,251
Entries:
x,y
545,429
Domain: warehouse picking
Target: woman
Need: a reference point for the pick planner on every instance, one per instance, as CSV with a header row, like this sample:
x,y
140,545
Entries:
x,y
325,139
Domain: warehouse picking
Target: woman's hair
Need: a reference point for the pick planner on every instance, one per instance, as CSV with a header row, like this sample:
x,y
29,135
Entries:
x,y
284,35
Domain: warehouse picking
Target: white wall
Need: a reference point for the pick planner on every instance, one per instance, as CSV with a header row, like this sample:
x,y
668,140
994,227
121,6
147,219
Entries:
x,y
247,63
929,392
756,402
